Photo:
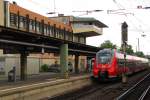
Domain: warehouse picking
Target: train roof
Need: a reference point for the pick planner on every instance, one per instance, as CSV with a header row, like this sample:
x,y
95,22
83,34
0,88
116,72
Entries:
x,y
120,55
131,57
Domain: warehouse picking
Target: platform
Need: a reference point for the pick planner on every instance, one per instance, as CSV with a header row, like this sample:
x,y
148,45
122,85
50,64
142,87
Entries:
x,y
42,86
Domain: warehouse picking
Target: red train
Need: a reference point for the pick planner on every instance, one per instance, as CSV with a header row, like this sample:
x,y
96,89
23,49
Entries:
x,y
109,63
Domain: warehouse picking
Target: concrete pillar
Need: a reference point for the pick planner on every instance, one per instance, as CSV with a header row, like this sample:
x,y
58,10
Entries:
x,y
6,14
76,63
2,12
23,60
64,60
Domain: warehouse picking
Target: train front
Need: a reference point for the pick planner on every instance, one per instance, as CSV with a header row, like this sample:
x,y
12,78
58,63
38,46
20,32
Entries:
x,y
103,64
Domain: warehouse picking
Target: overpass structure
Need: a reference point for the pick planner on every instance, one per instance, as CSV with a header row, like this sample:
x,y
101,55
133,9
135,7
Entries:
x,y
25,32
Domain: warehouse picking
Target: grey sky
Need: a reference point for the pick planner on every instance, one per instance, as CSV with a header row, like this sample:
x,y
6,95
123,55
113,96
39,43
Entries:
x,y
137,19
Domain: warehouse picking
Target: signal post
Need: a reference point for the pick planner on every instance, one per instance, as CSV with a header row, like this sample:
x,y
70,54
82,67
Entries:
x,y
124,29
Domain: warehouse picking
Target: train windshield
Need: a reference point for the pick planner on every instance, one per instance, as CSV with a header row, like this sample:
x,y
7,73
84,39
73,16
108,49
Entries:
x,y
104,56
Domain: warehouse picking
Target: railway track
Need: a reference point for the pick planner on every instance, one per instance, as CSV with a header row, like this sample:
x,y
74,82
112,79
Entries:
x,y
146,94
139,91
75,95
102,91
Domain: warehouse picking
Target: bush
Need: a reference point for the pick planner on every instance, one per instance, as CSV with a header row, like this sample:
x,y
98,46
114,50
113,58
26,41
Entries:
x,y
44,68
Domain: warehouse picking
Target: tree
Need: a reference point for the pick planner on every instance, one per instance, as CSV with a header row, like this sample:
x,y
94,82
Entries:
x,y
140,54
108,44
129,50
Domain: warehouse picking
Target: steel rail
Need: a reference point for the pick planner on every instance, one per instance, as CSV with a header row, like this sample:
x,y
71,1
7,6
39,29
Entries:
x,y
125,94
144,94
77,94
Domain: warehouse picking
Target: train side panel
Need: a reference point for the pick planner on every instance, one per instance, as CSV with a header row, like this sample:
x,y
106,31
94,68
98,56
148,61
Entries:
x,y
113,70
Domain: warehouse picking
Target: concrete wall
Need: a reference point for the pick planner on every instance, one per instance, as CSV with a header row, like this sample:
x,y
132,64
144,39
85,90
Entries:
x,y
48,61
1,12
9,61
33,65
1,52
51,59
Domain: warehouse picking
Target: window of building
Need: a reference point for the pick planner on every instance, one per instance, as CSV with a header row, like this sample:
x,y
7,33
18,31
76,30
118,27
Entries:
x,y
23,21
51,31
32,25
38,26
45,29
69,36
56,54
61,34
75,38
13,19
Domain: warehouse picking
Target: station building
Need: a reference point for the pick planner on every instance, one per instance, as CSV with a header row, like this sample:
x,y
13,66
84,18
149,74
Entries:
x,y
77,30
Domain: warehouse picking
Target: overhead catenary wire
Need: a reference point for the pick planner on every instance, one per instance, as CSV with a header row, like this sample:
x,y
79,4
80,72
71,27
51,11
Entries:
x,y
38,4
123,10
140,22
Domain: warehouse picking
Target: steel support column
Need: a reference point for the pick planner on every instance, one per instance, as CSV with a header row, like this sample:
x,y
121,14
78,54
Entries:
x,y
23,60
76,63
64,60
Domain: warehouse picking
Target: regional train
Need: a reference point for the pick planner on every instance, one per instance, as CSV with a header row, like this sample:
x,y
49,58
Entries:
x,y
109,64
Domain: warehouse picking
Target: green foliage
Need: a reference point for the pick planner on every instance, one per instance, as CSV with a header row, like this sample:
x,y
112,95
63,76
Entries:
x,y
108,44
44,68
140,54
129,50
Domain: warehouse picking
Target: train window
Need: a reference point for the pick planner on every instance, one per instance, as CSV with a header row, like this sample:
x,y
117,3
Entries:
x,y
120,62
104,56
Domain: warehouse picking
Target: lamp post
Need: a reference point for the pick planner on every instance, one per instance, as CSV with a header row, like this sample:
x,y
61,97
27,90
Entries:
x,y
138,41
138,44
